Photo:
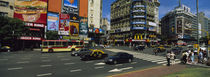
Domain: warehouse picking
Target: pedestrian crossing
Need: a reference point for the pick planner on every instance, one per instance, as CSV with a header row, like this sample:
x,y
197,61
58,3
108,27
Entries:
x,y
147,57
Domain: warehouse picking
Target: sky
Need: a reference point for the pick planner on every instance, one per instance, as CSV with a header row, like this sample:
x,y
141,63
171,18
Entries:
x,y
166,6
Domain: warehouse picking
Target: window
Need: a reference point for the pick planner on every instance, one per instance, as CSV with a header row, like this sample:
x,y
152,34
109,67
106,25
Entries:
x,y
3,3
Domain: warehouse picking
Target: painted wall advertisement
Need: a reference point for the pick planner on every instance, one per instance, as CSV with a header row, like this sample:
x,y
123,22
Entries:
x,y
74,29
83,27
64,24
53,21
31,10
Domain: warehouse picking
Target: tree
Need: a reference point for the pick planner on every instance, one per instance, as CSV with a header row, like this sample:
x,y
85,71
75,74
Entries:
x,y
10,30
52,35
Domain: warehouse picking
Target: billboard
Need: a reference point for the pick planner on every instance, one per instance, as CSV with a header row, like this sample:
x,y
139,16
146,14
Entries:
x,y
83,8
74,17
64,24
70,3
179,26
52,21
74,29
31,10
83,27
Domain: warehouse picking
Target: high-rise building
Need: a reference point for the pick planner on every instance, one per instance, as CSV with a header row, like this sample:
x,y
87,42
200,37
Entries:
x,y
136,20
179,25
94,13
7,8
204,22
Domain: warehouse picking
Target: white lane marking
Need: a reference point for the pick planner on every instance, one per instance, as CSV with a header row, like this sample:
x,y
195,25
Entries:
x,y
77,70
23,62
133,62
25,58
99,67
101,63
162,62
89,62
44,57
60,56
17,68
3,59
159,60
119,70
46,60
64,59
68,63
119,65
45,65
46,74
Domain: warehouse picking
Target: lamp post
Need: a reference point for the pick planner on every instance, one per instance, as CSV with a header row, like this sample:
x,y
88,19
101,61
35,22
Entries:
x,y
197,22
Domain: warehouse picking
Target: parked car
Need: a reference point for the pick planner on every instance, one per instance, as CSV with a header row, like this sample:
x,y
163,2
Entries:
x,y
5,49
93,54
80,51
120,57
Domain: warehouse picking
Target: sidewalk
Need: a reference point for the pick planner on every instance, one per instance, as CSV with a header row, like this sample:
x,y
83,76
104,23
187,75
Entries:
x,y
159,71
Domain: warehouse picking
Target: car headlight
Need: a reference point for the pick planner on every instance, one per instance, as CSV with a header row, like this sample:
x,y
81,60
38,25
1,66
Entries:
x,y
110,60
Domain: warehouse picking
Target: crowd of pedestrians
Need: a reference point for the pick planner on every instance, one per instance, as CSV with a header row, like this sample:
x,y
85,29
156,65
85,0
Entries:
x,y
170,56
194,56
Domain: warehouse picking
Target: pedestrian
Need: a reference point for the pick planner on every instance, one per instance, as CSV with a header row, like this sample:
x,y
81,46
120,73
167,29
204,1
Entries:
x,y
168,56
155,51
192,57
200,57
184,57
173,57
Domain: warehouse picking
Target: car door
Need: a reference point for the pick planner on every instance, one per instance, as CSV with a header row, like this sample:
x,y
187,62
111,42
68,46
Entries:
x,y
123,57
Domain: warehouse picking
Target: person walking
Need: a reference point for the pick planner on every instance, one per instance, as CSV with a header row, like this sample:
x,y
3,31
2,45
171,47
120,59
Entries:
x,y
168,56
173,58
192,57
200,57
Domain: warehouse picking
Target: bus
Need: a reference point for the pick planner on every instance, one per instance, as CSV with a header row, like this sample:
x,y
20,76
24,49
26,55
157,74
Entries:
x,y
61,45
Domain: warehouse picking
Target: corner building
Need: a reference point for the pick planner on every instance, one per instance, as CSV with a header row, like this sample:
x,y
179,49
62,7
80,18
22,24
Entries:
x,y
134,22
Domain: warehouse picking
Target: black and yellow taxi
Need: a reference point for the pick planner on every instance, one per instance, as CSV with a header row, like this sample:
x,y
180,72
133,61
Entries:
x,y
161,48
93,54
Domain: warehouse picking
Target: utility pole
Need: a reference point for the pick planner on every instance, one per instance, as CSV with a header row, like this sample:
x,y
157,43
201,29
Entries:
x,y
197,22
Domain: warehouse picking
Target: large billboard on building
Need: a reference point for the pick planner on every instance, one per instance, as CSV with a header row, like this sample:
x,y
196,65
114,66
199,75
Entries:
x,y
83,27
74,17
31,10
74,29
83,8
54,6
70,3
52,21
179,26
64,24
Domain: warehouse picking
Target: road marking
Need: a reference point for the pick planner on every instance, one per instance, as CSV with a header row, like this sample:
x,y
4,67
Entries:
x,y
89,62
44,57
133,62
161,62
60,56
25,58
68,63
101,63
119,65
46,74
99,67
46,60
23,62
45,65
17,68
77,70
3,59
119,70
64,59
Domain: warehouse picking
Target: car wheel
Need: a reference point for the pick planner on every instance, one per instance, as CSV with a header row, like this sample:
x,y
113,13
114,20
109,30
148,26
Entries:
x,y
115,62
129,60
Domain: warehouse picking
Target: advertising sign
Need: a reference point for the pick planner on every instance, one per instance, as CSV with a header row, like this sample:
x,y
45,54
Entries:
x,y
74,17
74,29
139,28
70,3
179,26
53,21
152,28
31,10
64,24
83,27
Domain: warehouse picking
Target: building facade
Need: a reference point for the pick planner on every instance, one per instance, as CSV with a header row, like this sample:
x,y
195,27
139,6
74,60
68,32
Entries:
x,y
134,21
94,13
7,8
204,23
179,25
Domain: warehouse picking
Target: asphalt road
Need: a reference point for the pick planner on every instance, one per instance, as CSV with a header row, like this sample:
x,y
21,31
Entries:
x,y
36,64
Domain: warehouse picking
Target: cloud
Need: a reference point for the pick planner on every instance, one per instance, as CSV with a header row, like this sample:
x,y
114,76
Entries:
x,y
163,10
206,11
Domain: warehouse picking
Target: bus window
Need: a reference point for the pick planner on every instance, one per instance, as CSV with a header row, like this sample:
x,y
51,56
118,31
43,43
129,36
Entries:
x,y
51,43
64,43
70,43
58,43
44,43
81,43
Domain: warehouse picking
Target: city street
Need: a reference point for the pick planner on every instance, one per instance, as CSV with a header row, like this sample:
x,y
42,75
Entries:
x,y
36,64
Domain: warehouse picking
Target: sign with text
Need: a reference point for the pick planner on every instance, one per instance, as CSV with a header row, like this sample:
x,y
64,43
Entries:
x,y
52,21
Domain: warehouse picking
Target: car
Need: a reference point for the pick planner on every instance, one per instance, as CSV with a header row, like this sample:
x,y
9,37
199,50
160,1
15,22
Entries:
x,y
5,49
120,57
167,46
93,54
161,48
80,51
139,47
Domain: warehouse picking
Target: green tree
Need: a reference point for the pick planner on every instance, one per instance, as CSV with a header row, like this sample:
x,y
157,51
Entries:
x,y
11,29
52,35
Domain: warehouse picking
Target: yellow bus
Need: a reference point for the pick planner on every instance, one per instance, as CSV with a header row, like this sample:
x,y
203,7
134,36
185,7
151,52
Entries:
x,y
61,45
